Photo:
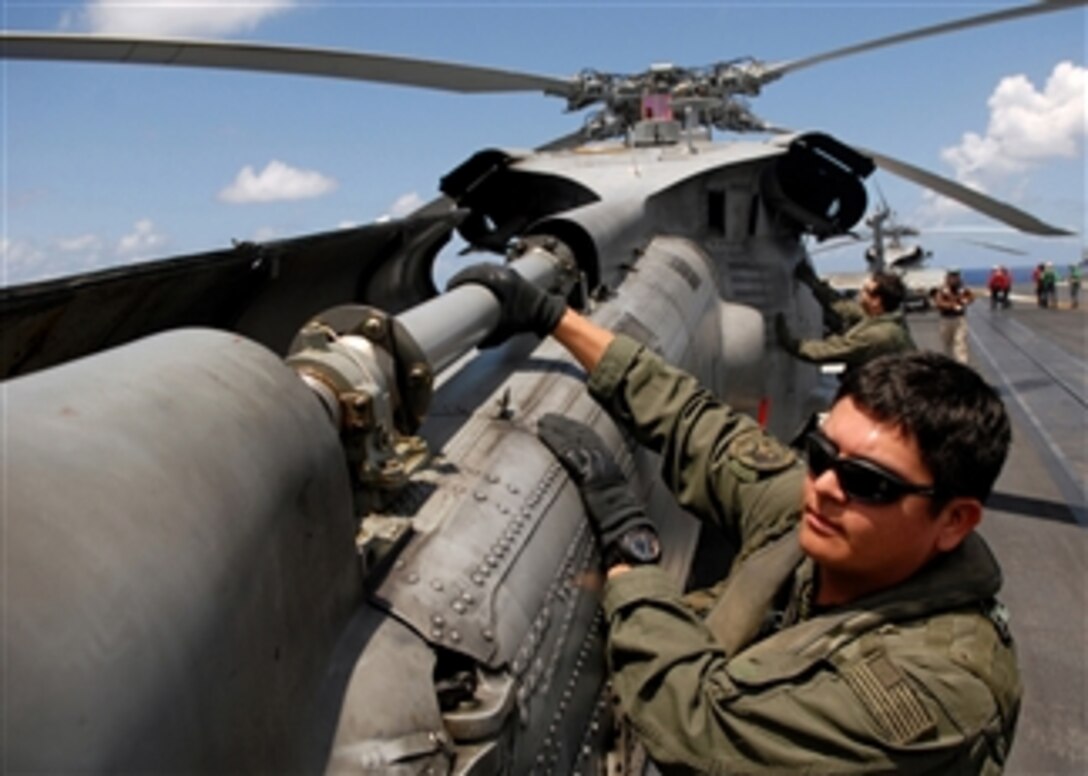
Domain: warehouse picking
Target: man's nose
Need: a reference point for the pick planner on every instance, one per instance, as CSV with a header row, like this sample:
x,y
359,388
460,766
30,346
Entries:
x,y
827,485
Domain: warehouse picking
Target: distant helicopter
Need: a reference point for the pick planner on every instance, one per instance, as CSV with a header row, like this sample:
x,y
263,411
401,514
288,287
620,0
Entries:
x,y
908,260
888,249
266,510
887,252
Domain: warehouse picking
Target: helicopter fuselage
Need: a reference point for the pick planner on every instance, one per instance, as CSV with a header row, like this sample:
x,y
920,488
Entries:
x,y
472,644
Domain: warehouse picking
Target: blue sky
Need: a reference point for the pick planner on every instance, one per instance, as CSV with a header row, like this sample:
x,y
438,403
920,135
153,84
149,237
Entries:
x,y
104,165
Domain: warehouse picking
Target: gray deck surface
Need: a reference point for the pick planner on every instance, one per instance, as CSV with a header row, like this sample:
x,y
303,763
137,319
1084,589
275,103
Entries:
x,y
1036,519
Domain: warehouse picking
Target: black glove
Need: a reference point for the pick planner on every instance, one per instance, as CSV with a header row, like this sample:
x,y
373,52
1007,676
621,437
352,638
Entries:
x,y
806,274
785,336
523,305
612,507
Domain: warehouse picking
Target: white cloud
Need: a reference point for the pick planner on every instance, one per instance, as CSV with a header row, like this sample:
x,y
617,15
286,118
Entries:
x,y
142,242
24,261
276,182
1027,127
935,210
199,18
84,243
405,204
19,261
266,234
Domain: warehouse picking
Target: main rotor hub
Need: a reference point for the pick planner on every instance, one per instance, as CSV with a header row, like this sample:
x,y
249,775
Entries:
x,y
711,96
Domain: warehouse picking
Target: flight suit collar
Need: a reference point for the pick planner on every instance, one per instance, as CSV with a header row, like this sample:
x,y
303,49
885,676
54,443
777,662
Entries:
x,y
965,576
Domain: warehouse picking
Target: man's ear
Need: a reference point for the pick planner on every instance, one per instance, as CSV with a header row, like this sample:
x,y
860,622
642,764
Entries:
x,y
958,518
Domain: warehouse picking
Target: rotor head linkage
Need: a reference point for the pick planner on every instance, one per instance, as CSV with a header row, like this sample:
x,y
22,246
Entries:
x,y
713,95
374,373
375,384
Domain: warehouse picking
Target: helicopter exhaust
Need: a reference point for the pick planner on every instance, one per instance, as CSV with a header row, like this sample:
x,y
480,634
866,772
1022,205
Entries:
x,y
817,184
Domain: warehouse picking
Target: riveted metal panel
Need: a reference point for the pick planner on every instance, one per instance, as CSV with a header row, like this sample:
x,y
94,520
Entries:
x,y
497,548
503,567
477,584
388,721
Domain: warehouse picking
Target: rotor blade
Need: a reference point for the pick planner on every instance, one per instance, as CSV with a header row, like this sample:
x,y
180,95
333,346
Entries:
x,y
998,247
405,71
848,240
770,72
995,209
265,292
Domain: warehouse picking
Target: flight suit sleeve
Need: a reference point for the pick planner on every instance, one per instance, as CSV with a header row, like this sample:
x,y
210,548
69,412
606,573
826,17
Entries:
x,y
718,463
839,313
851,347
697,709
848,313
827,296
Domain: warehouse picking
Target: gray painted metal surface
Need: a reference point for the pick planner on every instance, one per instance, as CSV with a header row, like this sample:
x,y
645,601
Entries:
x,y
647,192
502,566
383,709
448,325
616,172
178,560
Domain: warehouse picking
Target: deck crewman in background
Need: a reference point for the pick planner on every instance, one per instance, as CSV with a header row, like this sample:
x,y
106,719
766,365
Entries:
x,y
861,330
1000,285
1050,286
857,631
951,301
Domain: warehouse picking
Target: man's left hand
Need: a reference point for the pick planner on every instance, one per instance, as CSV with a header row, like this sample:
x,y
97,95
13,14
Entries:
x,y
610,503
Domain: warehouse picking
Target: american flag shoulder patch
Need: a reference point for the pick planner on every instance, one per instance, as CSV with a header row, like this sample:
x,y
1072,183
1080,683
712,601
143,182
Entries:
x,y
887,694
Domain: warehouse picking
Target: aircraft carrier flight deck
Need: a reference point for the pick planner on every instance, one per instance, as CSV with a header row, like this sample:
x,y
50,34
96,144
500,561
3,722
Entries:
x,y
1036,518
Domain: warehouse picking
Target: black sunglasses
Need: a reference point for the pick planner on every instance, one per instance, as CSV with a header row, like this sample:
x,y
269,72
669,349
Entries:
x,y
859,479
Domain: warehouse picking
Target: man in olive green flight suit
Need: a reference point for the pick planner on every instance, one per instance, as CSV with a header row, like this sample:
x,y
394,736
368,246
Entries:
x,y
870,327
857,631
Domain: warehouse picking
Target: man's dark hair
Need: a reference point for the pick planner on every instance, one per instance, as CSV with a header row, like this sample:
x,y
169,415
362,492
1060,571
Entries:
x,y
957,419
889,288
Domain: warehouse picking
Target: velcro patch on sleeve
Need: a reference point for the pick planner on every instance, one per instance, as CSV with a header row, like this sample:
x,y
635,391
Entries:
x,y
886,693
760,453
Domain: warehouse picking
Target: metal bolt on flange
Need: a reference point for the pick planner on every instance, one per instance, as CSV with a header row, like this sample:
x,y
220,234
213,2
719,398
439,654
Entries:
x,y
373,328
